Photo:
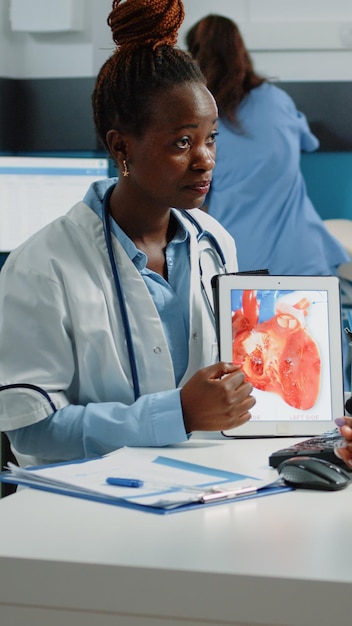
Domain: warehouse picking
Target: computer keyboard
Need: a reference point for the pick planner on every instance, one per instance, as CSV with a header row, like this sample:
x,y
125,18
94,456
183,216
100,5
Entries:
x,y
320,446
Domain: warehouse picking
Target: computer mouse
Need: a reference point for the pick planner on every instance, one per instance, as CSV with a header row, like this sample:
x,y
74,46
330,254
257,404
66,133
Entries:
x,y
308,472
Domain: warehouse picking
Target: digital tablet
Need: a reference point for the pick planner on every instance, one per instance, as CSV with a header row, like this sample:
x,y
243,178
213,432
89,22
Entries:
x,y
285,333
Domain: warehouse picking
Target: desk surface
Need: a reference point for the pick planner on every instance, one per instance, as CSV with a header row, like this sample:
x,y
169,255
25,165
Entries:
x,y
279,560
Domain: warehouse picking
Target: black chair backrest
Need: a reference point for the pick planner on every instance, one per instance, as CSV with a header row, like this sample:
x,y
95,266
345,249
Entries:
x,y
6,455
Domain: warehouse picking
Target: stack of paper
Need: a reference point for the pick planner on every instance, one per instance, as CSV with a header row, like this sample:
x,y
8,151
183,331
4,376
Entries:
x,y
162,483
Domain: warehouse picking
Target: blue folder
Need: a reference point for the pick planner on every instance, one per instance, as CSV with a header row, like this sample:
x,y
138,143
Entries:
x,y
211,476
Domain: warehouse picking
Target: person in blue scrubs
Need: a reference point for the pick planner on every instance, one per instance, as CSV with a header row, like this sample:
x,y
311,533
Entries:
x,y
258,192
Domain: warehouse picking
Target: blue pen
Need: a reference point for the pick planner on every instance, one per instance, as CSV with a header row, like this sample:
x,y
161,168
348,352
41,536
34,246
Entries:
x,y
124,482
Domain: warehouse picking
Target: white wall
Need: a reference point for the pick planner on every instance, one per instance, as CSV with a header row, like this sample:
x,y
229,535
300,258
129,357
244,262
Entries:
x,y
55,55
290,40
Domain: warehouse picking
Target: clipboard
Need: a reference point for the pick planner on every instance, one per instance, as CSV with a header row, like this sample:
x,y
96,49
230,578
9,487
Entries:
x,y
162,493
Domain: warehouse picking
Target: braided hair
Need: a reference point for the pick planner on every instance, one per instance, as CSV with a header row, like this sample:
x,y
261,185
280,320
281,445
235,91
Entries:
x,y
145,62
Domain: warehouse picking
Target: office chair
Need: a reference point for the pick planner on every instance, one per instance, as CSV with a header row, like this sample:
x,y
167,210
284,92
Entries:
x,y
5,450
6,455
341,229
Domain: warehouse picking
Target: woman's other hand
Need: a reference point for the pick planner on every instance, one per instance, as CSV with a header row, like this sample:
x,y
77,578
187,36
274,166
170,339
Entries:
x,y
345,427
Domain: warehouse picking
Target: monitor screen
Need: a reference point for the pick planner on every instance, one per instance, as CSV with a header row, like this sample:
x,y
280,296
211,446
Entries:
x,y
35,190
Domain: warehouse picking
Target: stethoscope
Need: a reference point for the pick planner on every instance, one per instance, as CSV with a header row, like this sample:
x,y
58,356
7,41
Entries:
x,y
201,235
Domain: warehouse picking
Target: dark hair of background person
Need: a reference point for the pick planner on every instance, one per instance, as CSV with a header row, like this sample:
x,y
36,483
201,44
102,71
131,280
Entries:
x,y
216,43
144,63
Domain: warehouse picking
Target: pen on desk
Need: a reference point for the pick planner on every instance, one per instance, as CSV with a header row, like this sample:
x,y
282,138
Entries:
x,y
124,482
226,495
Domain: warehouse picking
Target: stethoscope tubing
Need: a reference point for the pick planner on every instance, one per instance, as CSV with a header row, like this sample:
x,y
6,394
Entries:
x,y
201,234
120,293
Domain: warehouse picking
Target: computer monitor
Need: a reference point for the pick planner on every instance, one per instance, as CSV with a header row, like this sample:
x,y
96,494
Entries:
x,y
36,189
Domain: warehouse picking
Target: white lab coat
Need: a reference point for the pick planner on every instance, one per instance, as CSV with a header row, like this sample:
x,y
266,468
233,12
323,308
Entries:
x,y
60,322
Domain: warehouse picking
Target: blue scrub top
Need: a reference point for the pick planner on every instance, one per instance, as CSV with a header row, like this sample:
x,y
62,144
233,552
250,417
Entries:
x,y
258,192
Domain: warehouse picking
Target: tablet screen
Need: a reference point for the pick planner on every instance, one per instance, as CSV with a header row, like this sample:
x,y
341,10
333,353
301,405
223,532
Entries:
x,y
287,342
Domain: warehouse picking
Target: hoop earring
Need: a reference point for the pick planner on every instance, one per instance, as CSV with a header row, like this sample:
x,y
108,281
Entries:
x,y
125,171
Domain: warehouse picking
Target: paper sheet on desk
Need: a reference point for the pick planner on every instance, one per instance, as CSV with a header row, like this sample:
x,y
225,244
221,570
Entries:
x,y
167,483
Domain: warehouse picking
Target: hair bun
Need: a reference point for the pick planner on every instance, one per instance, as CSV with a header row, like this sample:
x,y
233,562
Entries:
x,y
136,23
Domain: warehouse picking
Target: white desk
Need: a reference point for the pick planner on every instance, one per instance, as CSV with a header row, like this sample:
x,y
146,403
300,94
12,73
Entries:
x,y
279,560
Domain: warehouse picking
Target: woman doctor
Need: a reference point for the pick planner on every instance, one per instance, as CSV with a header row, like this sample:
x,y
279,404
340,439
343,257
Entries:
x,y
106,335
